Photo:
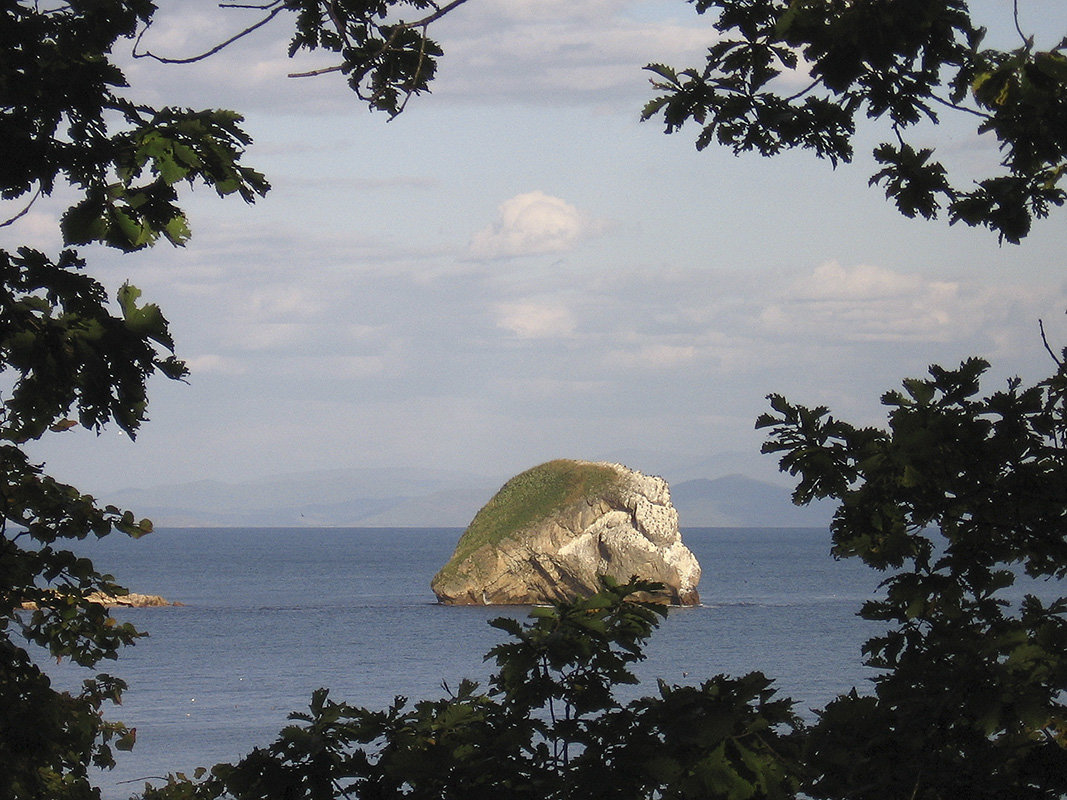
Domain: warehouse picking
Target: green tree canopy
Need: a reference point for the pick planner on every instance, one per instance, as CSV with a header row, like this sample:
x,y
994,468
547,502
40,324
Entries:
x,y
904,62
69,358
961,498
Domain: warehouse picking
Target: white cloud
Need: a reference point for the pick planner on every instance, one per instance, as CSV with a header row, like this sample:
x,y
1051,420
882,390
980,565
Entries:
x,y
534,320
871,303
340,367
534,10
656,356
214,364
284,301
831,281
549,388
531,224
563,54
268,335
36,229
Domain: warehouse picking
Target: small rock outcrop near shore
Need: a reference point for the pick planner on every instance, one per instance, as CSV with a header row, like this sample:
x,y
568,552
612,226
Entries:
x,y
551,531
131,600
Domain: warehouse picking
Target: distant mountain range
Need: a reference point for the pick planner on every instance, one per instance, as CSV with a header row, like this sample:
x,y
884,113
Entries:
x,y
428,498
735,501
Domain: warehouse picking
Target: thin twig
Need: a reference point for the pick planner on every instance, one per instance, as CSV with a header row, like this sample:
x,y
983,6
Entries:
x,y
312,73
337,785
900,137
24,211
440,12
254,6
804,91
1048,347
338,25
918,783
1019,27
209,53
418,72
958,107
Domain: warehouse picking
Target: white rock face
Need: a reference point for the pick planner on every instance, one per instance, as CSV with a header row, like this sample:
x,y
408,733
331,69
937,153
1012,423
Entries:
x,y
628,529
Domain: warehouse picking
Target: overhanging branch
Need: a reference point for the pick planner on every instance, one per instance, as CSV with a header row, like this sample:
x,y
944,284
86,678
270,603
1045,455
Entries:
x,y
313,72
276,6
24,211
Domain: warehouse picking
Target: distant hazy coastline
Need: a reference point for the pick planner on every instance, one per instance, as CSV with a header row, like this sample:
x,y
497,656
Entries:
x,y
428,498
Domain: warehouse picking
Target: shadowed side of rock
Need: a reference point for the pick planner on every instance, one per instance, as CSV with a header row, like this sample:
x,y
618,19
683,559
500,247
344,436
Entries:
x,y
551,531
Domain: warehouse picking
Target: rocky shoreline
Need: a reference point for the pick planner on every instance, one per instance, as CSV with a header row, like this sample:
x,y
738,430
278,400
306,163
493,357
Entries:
x,y
131,600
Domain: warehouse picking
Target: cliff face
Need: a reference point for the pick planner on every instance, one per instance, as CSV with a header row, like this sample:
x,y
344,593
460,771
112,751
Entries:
x,y
550,531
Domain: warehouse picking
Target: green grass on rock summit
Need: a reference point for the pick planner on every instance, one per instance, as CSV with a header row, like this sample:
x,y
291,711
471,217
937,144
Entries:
x,y
532,496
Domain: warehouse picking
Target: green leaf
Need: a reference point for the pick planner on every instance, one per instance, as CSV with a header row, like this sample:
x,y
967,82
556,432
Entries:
x,y
785,21
146,320
170,170
187,155
177,230
666,73
136,233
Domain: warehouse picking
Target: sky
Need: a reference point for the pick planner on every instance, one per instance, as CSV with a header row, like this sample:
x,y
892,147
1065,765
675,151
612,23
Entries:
x,y
517,269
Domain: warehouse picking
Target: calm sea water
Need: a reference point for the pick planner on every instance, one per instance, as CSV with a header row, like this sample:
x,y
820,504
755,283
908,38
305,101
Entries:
x,y
271,615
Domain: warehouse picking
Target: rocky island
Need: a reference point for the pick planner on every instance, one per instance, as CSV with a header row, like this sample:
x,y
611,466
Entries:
x,y
550,531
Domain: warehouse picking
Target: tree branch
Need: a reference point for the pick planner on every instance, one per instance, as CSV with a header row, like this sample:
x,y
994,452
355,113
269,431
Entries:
x,y
313,72
1048,347
278,8
440,12
1018,27
958,107
803,91
418,68
337,24
24,211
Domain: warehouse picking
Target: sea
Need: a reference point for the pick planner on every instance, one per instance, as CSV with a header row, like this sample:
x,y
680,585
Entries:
x,y
270,615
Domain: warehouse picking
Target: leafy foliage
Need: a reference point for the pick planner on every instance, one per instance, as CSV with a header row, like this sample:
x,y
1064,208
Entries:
x,y
905,61
385,59
549,726
64,353
63,119
386,56
67,358
961,498
69,350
